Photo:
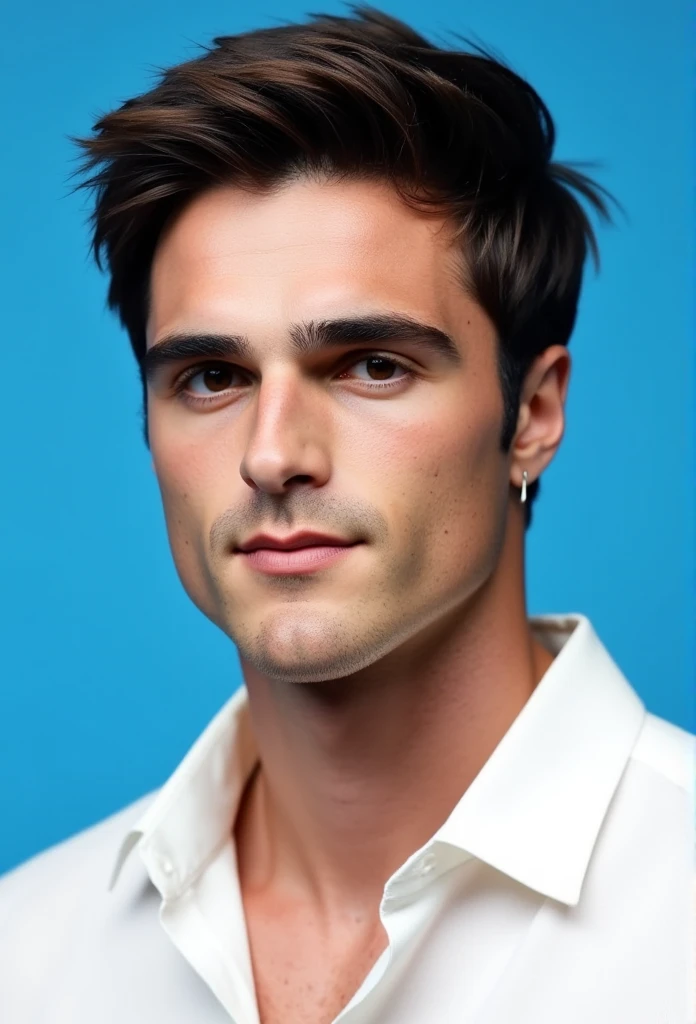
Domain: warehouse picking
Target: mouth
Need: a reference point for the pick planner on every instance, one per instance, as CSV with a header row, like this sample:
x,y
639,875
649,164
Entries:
x,y
301,560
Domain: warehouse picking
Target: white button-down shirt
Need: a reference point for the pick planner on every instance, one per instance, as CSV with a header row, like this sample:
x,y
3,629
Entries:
x,y
560,890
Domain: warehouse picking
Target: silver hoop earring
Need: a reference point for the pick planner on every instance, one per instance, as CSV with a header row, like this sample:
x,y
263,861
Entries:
x,y
523,496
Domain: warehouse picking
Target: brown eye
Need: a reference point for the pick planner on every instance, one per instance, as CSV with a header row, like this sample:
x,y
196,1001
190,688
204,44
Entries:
x,y
217,379
213,378
380,368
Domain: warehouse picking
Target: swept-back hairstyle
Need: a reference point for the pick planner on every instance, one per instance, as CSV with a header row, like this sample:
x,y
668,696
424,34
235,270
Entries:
x,y
453,131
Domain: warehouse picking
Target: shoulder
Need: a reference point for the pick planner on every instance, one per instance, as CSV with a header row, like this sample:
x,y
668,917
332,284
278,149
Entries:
x,y
56,877
64,937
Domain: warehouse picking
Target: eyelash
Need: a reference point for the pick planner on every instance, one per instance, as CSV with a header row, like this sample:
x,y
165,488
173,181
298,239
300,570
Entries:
x,y
192,371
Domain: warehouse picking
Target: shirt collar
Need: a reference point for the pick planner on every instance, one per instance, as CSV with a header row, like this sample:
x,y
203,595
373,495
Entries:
x,y
192,814
534,811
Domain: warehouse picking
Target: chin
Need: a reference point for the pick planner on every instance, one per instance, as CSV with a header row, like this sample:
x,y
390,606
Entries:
x,y
309,666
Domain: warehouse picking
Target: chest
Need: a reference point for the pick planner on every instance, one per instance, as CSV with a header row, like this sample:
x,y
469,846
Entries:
x,y
302,975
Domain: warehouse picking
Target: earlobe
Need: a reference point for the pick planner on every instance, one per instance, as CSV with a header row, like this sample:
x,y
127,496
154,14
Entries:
x,y
522,484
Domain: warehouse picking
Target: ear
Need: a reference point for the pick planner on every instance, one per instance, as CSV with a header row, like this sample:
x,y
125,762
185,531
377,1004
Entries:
x,y
541,419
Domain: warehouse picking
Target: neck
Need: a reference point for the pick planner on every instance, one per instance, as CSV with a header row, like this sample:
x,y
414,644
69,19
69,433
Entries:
x,y
358,773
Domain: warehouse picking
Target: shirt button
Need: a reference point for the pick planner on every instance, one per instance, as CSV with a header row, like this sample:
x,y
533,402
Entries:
x,y
166,866
427,865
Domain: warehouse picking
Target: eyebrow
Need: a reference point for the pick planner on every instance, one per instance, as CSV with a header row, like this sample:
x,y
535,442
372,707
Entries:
x,y
305,338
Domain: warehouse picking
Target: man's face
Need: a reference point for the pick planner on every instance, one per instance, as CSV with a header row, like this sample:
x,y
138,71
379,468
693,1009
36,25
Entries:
x,y
305,438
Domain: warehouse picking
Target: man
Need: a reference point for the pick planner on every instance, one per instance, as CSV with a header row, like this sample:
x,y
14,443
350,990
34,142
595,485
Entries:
x,y
349,272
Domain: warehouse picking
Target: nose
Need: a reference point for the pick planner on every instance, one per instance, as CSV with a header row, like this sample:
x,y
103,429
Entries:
x,y
290,436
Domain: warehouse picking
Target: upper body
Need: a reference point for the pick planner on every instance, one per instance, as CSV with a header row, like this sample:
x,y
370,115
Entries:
x,y
561,887
349,269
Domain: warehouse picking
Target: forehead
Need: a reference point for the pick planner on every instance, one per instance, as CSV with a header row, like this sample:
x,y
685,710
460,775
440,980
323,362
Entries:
x,y
308,249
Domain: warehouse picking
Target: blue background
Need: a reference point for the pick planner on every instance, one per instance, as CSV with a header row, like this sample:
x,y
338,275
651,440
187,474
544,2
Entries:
x,y
109,671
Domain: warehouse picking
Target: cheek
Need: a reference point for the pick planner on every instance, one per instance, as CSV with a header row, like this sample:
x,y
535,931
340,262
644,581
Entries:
x,y
179,477
183,475
455,459
444,483
189,474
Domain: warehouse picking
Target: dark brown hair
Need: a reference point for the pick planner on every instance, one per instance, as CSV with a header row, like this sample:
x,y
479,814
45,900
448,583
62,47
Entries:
x,y
364,96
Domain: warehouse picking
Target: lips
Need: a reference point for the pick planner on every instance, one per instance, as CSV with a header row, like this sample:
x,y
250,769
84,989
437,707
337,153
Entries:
x,y
300,555
303,539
